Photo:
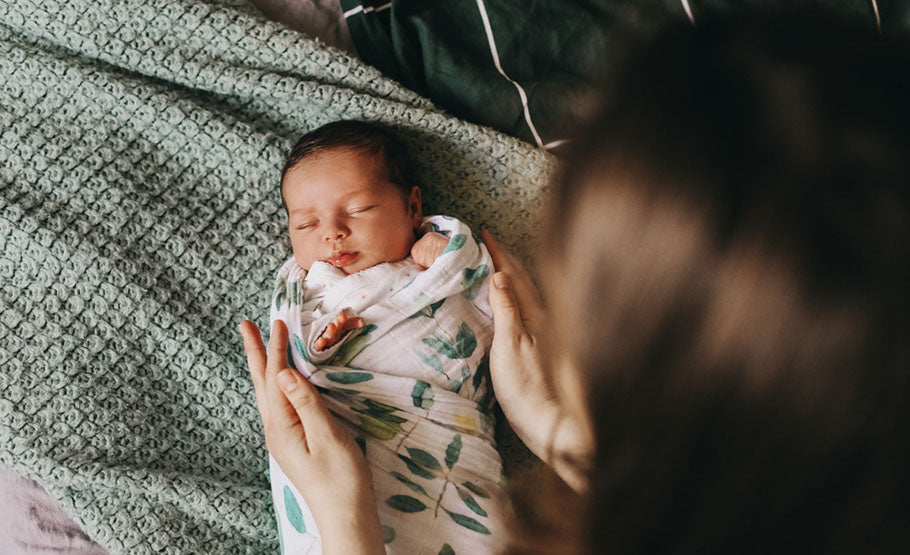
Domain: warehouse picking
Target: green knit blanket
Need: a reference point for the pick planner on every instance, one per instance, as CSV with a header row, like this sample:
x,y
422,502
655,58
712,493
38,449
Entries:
x,y
140,221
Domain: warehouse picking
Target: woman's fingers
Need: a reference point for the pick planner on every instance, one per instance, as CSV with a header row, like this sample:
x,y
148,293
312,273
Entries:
x,y
522,287
256,360
507,322
313,450
282,416
501,258
518,365
255,350
278,347
310,410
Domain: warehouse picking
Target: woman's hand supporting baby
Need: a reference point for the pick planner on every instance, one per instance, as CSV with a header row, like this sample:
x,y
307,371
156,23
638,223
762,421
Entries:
x,y
318,456
520,375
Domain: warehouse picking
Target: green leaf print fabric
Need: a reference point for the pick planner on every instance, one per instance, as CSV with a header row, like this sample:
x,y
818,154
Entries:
x,y
411,386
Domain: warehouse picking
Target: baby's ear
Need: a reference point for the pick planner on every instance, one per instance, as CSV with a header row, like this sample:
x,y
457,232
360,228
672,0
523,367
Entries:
x,y
415,207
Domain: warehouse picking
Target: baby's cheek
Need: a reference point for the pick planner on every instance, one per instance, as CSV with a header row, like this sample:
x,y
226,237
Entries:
x,y
302,255
302,263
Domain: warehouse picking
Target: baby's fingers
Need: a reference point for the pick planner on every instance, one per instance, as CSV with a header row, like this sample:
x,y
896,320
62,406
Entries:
x,y
352,324
326,339
419,254
341,318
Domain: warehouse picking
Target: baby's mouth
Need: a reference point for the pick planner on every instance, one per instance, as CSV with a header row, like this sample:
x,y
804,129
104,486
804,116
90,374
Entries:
x,y
342,259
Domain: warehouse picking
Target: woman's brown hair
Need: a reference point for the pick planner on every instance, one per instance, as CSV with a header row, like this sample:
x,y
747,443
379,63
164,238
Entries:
x,y
728,260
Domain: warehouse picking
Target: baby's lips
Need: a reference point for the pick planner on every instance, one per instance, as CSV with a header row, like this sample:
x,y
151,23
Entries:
x,y
342,259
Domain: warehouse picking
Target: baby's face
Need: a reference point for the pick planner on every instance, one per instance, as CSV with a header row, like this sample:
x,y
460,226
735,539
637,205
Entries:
x,y
343,210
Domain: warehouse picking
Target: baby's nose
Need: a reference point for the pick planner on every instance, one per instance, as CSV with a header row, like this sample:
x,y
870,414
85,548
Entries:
x,y
335,232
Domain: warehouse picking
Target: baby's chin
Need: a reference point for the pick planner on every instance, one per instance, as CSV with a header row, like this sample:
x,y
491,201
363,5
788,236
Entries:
x,y
361,265
358,264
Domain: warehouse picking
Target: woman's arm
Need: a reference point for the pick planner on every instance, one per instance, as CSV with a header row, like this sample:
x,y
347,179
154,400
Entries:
x,y
316,454
522,380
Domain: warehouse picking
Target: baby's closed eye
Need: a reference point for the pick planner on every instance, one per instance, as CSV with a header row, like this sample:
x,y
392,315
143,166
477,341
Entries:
x,y
361,209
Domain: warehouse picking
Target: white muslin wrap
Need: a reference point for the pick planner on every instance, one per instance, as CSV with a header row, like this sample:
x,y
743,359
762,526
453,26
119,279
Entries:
x,y
411,386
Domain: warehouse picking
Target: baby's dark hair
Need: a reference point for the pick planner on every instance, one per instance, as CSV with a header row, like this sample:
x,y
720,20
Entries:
x,y
366,138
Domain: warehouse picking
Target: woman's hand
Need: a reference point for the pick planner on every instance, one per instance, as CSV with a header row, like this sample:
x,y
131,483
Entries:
x,y
519,371
318,456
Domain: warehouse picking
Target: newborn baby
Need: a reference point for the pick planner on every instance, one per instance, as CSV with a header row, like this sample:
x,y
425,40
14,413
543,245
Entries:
x,y
387,315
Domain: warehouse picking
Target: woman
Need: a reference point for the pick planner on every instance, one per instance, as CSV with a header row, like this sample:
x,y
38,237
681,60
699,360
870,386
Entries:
x,y
724,364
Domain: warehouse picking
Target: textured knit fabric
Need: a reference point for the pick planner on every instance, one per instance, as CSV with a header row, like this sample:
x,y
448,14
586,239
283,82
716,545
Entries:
x,y
140,221
412,388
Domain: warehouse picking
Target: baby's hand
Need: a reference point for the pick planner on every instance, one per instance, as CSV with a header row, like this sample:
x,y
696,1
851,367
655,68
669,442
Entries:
x,y
428,248
336,329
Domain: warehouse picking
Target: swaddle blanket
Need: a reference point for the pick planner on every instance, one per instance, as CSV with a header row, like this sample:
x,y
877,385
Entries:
x,y
410,385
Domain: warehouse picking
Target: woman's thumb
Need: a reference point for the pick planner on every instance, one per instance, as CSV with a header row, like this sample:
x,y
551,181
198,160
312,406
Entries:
x,y
506,312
